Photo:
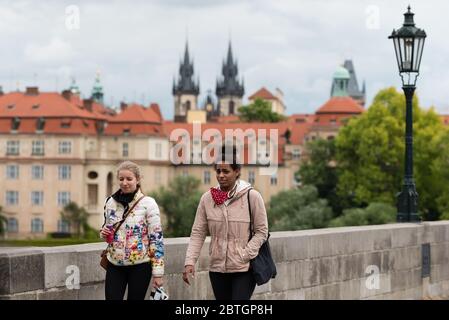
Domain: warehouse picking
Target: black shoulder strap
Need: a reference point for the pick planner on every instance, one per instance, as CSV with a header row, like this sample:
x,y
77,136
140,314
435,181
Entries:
x,y
125,215
251,227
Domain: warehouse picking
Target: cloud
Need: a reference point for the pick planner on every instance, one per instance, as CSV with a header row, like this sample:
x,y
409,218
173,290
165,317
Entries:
x,y
56,51
292,44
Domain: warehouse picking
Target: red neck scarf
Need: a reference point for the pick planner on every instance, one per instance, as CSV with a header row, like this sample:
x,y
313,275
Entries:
x,y
219,196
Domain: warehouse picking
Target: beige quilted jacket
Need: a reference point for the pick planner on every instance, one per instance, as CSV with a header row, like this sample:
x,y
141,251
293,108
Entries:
x,y
229,226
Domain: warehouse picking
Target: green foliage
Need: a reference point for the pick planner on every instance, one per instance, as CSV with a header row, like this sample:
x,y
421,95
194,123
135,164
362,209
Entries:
x,y
179,203
375,213
319,170
370,154
297,209
3,222
46,242
259,111
77,217
440,169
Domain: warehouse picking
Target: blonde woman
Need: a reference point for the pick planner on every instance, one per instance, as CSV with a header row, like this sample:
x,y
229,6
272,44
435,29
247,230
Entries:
x,y
132,227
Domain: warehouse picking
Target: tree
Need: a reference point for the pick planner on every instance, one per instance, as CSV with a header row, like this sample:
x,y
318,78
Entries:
x,y
259,111
3,223
375,213
440,169
77,217
297,209
370,153
179,202
319,170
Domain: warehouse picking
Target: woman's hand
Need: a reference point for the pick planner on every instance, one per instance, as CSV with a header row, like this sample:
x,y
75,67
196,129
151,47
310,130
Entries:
x,y
189,270
157,282
105,232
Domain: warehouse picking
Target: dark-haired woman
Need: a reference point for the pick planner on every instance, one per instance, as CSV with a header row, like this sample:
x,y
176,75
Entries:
x,y
223,212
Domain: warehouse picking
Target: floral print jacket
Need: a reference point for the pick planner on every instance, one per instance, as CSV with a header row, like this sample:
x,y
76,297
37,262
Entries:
x,y
140,238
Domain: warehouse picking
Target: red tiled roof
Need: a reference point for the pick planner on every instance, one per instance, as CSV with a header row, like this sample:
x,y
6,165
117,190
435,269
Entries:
x,y
262,93
138,113
445,118
341,105
45,104
61,115
227,119
300,118
136,120
155,107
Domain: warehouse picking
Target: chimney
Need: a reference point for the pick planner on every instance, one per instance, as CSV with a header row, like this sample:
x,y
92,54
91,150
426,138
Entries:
x,y
1,91
67,94
87,104
123,106
32,91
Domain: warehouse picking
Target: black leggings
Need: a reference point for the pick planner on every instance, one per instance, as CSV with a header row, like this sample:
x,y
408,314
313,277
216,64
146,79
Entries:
x,y
137,277
232,286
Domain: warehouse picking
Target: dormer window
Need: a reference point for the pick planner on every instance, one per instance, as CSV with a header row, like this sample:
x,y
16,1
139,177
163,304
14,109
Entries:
x,y
126,131
35,106
40,124
15,123
11,106
65,123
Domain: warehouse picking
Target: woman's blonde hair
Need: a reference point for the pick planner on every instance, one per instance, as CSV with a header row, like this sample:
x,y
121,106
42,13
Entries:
x,y
130,166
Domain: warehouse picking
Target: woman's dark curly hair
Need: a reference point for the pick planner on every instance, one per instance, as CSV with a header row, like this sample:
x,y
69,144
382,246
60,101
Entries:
x,y
228,154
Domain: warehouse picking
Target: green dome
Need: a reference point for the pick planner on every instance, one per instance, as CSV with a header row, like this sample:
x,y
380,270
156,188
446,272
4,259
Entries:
x,y
341,73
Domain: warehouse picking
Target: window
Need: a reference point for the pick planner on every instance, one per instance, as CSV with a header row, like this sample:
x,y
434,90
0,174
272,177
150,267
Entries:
x,y
37,172
40,124
37,198
64,172
12,225
12,198
63,198
333,122
12,148
37,225
206,178
12,172
65,147
125,149
274,180
92,194
37,148
296,154
15,124
92,175
63,226
157,176
251,177
158,150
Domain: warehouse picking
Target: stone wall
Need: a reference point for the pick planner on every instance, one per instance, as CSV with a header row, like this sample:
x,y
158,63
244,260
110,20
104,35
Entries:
x,y
335,263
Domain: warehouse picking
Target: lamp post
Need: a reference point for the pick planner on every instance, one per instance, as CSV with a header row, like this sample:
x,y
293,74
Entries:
x,y
408,45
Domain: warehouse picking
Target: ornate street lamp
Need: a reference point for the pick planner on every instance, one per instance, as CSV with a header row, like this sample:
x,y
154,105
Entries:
x,y
408,44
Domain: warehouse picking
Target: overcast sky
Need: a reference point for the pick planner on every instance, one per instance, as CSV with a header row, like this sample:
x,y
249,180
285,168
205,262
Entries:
x,y
294,45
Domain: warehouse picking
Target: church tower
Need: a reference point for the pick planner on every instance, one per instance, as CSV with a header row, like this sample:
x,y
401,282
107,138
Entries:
x,y
185,91
229,91
97,90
